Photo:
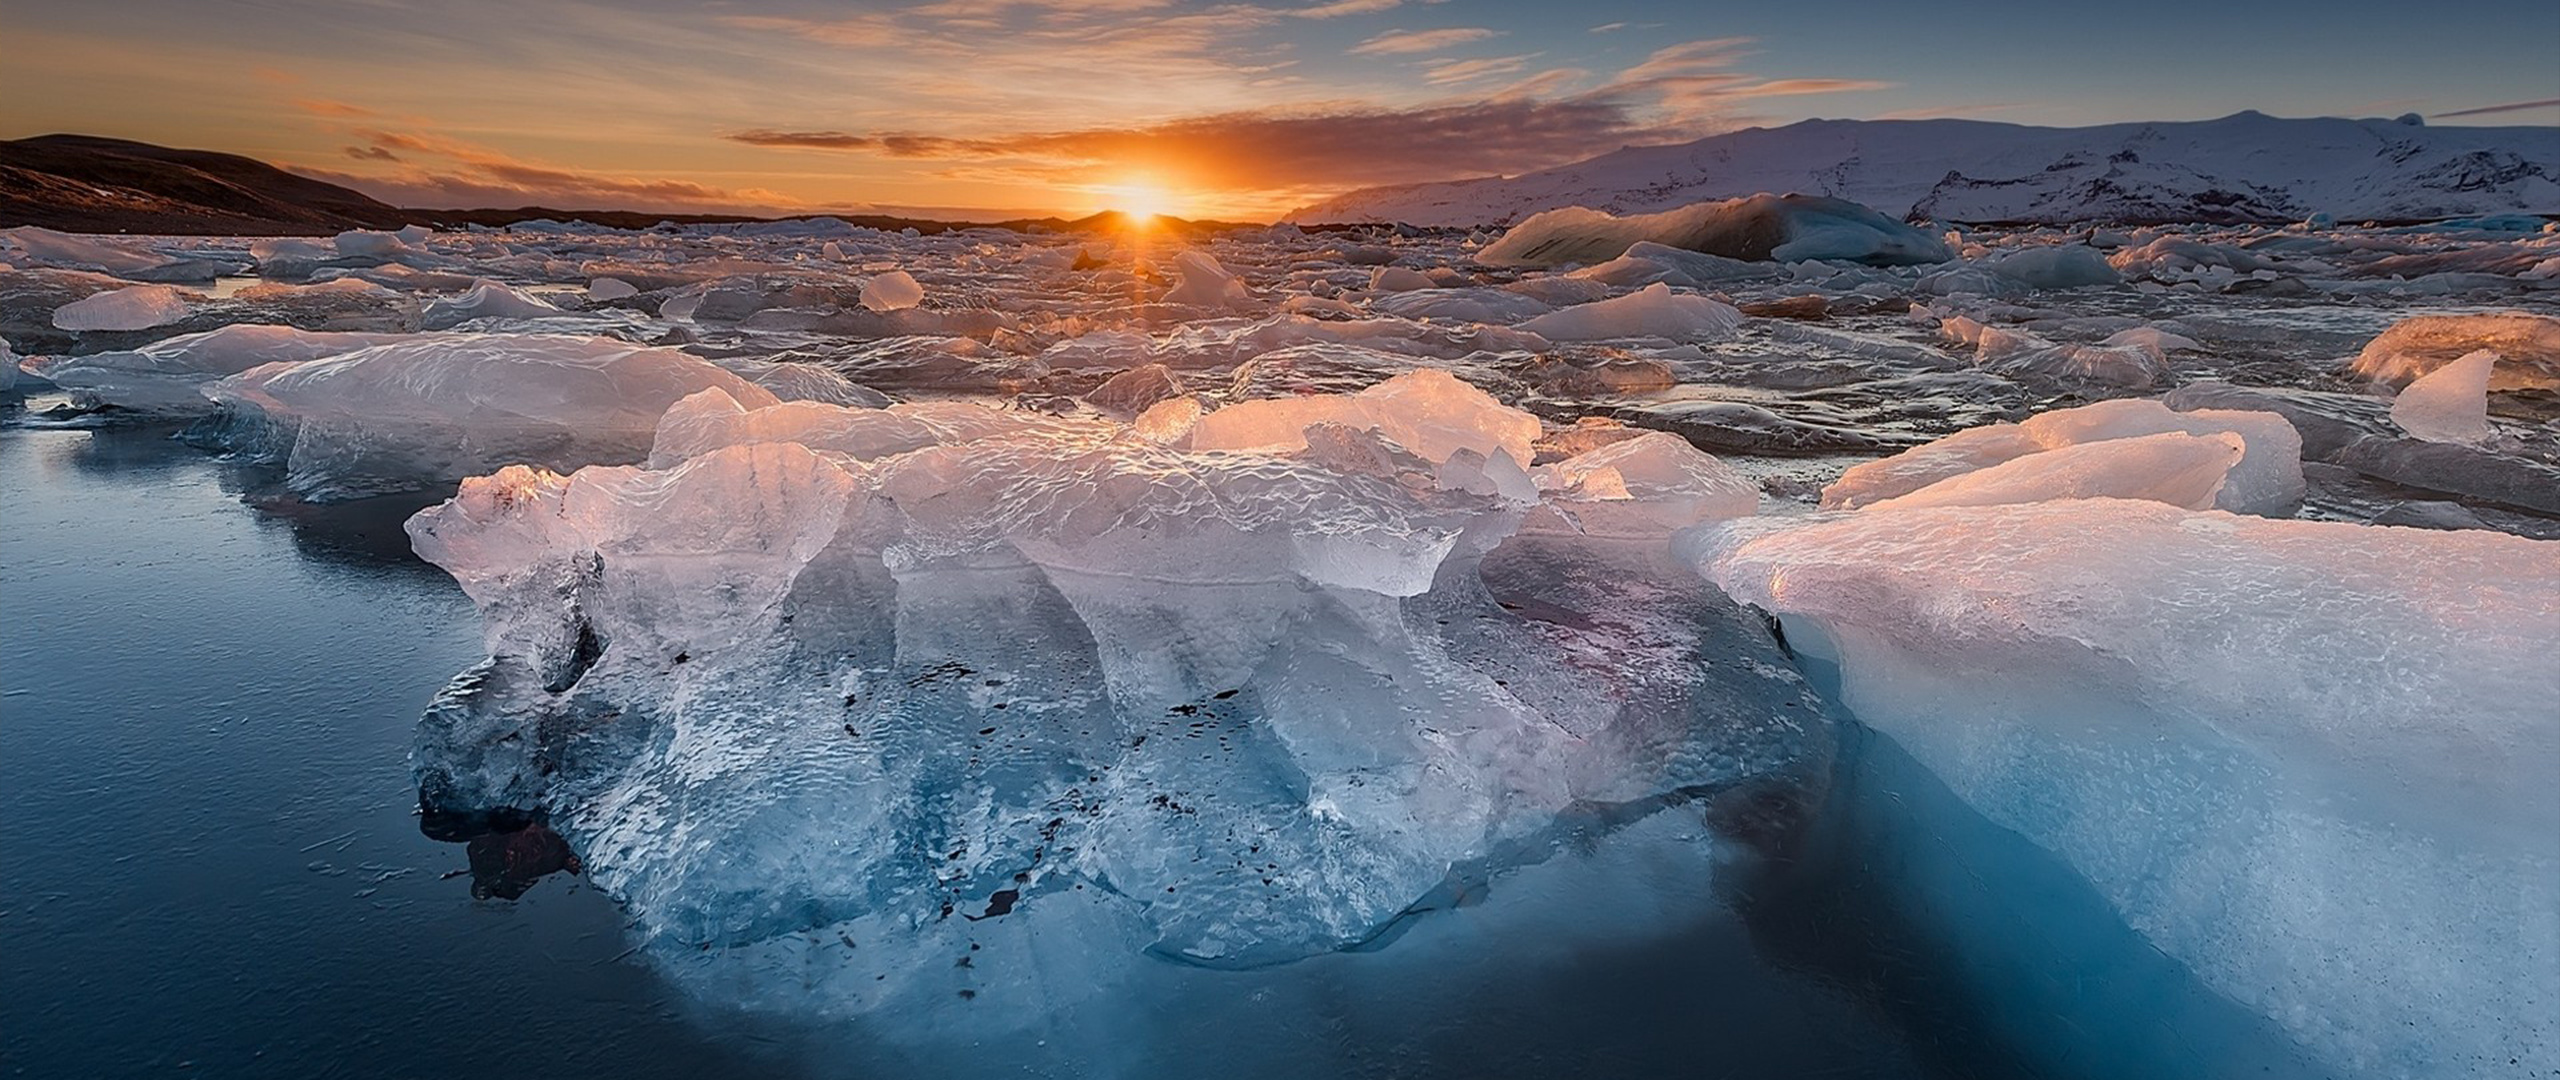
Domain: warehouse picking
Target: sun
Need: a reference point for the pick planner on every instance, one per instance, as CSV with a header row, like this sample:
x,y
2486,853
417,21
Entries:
x,y
1143,200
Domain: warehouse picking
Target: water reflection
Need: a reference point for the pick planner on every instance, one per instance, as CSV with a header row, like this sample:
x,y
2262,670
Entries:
x,y
508,851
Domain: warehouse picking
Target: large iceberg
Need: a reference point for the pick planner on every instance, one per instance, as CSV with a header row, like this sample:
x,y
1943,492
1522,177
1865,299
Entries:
x,y
2309,760
931,677
1785,228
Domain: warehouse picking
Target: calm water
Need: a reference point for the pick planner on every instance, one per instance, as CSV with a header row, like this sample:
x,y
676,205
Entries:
x,y
211,867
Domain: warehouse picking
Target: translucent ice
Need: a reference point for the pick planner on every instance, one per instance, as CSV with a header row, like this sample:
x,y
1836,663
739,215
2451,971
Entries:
x,y
1201,281
134,307
2267,479
1428,412
2173,467
934,675
167,377
487,300
892,291
2449,404
2309,760
435,408
1652,311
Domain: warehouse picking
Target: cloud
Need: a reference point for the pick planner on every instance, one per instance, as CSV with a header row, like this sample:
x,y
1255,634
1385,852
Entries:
x,y
323,107
1604,28
1677,93
1450,72
1406,42
442,172
1340,8
2519,106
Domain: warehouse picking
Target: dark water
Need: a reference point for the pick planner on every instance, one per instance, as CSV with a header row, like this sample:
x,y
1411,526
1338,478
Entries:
x,y
210,865
208,861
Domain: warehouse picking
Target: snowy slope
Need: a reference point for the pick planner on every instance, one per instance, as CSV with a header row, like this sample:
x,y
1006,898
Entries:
x,y
2247,167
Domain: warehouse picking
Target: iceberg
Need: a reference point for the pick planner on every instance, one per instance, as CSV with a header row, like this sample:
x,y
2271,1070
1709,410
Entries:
x,y
2528,348
487,300
2308,760
2266,478
1652,311
1201,281
940,676
168,377
432,409
2449,404
134,307
2182,470
1763,227
892,291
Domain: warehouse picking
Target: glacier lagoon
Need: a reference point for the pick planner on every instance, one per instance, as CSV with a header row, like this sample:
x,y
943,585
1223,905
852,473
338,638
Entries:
x,y
1282,672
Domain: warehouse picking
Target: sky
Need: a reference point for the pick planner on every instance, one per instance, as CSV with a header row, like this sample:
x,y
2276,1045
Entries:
x,y
1236,109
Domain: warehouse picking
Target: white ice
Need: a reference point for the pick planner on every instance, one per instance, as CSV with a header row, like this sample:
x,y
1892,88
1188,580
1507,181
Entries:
x,y
2309,760
2449,404
1652,311
134,307
1786,228
2266,478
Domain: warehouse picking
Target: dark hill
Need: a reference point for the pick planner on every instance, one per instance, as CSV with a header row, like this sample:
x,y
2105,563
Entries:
x,y
84,183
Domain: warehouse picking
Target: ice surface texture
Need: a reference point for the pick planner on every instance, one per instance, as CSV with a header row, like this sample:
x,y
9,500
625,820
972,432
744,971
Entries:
x,y
2310,760
135,307
2527,345
2257,471
433,408
1242,693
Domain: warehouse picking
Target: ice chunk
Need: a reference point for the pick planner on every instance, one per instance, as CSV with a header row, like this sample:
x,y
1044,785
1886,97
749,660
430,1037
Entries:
x,y
2266,480
1652,311
1647,486
2309,760
1428,412
487,300
1785,228
606,288
167,377
1202,281
45,247
2449,404
367,244
892,291
1136,390
1400,279
1228,707
2179,469
135,307
2528,348
713,420
2133,365
2055,266
438,407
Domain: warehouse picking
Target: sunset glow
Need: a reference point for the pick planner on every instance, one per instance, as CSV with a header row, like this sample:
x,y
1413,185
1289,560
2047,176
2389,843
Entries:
x,y
1244,110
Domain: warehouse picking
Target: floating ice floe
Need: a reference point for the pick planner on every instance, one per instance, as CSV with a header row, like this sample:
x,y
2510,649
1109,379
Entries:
x,y
1652,311
2528,348
946,679
134,307
168,377
2449,404
2261,475
892,291
488,300
2309,760
435,408
1787,228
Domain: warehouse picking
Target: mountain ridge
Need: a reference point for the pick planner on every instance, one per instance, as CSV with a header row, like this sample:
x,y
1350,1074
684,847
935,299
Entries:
x,y
2244,168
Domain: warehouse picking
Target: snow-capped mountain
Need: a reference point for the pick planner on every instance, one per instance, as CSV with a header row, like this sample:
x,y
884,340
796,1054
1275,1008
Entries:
x,y
2247,167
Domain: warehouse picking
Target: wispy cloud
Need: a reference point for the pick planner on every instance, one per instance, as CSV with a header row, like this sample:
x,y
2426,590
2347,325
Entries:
x,y
1451,72
444,172
1406,42
2518,106
1340,8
